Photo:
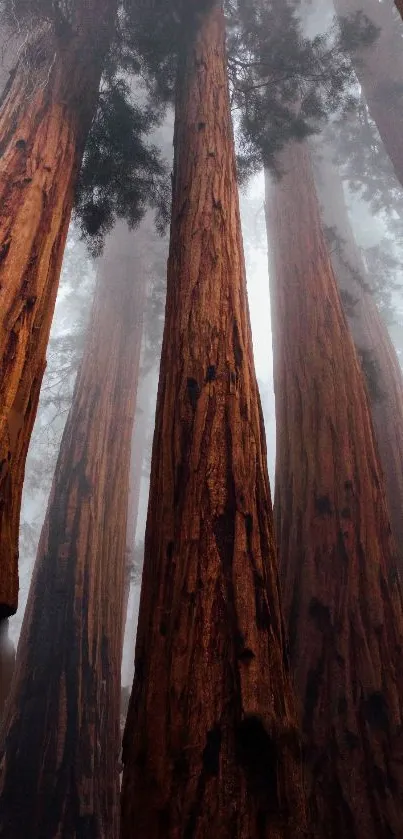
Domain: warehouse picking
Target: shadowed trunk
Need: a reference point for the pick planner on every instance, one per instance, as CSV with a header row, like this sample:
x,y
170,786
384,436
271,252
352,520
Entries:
x,y
7,661
379,68
61,740
45,113
373,344
341,592
210,746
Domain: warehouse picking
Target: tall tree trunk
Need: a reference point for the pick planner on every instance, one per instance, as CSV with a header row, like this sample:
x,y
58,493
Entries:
x,y
45,114
374,347
210,745
380,72
341,592
60,744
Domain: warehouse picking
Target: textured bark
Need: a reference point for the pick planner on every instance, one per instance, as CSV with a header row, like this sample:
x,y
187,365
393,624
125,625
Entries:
x,y
60,744
210,746
380,72
45,114
341,592
372,341
399,6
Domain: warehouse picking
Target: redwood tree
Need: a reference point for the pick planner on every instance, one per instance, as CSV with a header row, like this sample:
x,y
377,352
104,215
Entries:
x,y
340,586
211,744
374,347
59,751
45,114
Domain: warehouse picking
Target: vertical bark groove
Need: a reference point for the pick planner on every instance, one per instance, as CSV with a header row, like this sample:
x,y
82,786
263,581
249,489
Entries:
x,y
341,597
210,746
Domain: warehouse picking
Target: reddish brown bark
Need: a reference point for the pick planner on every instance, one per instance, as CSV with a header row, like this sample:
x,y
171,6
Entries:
x,y
341,592
374,347
380,71
61,741
44,118
210,745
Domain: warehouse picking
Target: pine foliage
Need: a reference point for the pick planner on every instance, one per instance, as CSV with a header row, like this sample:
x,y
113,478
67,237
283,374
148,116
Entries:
x,y
285,86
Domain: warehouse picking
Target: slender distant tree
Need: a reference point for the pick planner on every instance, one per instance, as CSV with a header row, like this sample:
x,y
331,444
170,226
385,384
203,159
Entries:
x,y
50,103
379,68
338,564
210,744
373,344
60,745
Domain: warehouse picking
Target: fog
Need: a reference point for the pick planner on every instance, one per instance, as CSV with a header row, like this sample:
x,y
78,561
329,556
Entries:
x,y
71,315
72,312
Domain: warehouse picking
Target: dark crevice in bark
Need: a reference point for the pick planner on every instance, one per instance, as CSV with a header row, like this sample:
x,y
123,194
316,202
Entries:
x,y
258,754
